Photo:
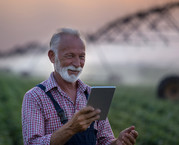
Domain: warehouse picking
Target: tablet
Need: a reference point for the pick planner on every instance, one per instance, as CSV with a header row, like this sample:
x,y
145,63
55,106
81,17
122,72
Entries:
x,y
101,98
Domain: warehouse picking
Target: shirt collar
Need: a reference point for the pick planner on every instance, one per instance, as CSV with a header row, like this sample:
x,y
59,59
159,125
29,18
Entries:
x,y
51,83
83,87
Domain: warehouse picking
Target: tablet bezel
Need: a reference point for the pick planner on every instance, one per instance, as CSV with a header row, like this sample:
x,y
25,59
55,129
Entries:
x,y
101,97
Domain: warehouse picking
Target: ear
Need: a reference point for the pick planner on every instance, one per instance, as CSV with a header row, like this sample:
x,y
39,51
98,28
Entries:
x,y
51,56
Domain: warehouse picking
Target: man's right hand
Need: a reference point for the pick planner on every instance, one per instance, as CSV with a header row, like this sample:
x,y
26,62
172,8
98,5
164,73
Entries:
x,y
80,121
83,118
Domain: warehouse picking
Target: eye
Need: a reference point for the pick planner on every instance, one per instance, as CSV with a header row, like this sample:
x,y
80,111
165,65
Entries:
x,y
82,56
69,55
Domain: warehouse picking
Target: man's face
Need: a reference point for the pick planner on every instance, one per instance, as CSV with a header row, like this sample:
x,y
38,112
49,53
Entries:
x,y
71,58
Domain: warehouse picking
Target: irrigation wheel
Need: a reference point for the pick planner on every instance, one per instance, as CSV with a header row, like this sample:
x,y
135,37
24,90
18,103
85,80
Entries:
x,y
169,88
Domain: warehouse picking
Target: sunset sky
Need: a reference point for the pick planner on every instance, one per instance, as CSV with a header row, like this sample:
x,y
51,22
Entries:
x,y
22,21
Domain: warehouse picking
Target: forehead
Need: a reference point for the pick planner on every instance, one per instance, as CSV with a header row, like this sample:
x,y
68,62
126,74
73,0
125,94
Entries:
x,y
71,43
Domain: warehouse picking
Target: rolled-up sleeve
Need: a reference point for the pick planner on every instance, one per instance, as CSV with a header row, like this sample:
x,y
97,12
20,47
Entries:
x,y
105,134
33,122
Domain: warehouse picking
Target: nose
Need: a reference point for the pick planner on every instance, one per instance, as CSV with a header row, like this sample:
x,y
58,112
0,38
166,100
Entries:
x,y
76,62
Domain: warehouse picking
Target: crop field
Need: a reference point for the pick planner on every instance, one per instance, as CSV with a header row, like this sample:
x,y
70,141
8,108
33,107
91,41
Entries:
x,y
156,120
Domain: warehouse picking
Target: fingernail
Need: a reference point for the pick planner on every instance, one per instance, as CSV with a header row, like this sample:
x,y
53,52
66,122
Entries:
x,y
92,109
98,110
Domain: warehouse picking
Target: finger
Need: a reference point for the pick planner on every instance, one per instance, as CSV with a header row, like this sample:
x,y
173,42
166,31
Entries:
x,y
128,130
93,113
89,117
86,110
130,137
82,116
92,117
134,133
88,122
126,140
123,143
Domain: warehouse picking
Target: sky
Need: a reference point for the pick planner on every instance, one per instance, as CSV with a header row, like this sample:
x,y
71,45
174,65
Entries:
x,y
23,21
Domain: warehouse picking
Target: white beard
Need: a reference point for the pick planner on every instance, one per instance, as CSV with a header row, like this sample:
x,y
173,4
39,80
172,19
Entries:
x,y
63,71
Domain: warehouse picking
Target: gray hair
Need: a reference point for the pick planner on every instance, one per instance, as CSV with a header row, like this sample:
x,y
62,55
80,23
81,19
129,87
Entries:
x,y
55,40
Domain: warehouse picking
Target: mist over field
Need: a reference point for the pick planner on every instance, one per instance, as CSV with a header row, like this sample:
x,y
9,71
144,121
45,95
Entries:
x,y
118,64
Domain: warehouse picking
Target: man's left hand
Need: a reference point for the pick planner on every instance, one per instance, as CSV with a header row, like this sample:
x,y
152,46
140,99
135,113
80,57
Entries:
x,y
127,137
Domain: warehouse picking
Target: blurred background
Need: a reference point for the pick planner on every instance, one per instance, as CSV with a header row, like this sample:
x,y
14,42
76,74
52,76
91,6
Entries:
x,y
130,44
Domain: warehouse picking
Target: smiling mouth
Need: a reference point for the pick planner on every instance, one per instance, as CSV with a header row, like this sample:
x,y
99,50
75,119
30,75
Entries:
x,y
73,72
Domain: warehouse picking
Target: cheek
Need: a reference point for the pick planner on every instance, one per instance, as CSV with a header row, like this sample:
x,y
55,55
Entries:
x,y
65,62
82,63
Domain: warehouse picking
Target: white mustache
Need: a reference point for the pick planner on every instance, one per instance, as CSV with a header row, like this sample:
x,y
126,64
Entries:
x,y
74,68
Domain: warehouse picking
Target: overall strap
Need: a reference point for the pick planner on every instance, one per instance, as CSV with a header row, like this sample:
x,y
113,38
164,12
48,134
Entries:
x,y
86,94
60,111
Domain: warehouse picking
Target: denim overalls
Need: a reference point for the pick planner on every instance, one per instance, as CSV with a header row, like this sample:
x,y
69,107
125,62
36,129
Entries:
x,y
87,137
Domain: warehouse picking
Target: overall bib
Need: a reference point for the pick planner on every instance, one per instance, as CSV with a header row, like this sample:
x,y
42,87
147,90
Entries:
x,y
87,137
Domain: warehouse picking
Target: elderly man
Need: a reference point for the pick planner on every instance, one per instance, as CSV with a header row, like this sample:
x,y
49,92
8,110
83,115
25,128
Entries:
x,y
55,112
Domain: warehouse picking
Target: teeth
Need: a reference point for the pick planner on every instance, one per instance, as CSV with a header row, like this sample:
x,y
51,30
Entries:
x,y
74,70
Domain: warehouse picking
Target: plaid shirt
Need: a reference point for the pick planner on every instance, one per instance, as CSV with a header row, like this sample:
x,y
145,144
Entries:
x,y
39,117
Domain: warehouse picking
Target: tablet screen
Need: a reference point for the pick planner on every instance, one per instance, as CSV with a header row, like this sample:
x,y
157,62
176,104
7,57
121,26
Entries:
x,y
101,98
